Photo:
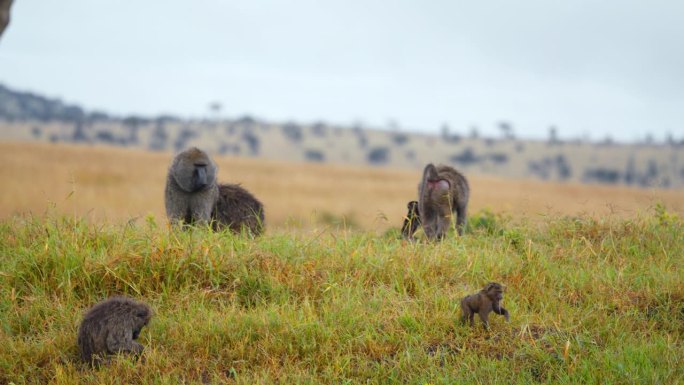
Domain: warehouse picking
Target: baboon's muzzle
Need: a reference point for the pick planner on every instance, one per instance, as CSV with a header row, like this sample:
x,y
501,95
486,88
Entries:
x,y
200,178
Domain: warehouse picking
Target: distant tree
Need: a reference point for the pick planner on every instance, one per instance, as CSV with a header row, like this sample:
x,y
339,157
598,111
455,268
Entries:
x,y
98,116
159,138
378,155
106,137
540,168
474,132
498,158
506,129
447,136
136,121
246,120
36,132
563,167
670,140
630,172
184,137
319,129
553,135
314,155
230,129
651,175
602,175
399,138
252,141
215,108
228,149
363,140
445,130
79,135
466,158
166,119
132,124
293,132
607,141
357,127
73,114
410,155
648,139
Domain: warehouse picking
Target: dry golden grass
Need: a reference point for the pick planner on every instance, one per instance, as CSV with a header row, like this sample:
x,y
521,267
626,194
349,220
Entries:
x,y
113,184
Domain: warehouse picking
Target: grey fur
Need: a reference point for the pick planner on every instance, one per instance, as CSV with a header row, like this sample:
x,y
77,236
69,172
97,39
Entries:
x,y
443,193
237,209
485,301
111,327
191,189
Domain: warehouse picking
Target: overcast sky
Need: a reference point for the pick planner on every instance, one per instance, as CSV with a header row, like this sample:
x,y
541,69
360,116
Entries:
x,y
597,68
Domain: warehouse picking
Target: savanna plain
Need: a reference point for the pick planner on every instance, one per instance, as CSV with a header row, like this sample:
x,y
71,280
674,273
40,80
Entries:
x,y
330,293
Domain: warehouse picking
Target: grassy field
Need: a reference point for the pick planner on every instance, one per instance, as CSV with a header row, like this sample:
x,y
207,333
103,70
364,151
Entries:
x,y
593,276
105,184
592,302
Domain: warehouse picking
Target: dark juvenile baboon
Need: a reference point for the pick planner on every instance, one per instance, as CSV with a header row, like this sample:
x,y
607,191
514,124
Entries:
x,y
443,193
237,209
111,327
411,221
191,190
486,300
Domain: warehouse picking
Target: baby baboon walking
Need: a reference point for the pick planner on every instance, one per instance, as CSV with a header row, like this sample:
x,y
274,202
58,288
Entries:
x,y
194,197
485,301
411,221
111,327
442,194
191,190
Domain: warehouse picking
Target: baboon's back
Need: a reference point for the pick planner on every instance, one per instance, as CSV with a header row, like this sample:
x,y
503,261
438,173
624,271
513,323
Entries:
x,y
460,183
237,209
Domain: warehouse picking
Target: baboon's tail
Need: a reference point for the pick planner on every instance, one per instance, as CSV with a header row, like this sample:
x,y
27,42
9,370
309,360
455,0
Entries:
x,y
430,172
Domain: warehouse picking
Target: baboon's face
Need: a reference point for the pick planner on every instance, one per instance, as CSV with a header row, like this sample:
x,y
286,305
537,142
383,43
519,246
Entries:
x,y
143,315
199,176
495,292
194,170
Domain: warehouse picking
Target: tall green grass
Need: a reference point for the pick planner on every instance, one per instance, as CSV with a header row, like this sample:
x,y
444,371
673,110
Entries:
x,y
591,302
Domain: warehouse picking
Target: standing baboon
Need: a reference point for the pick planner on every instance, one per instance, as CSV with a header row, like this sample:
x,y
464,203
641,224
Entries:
x,y
486,300
442,194
238,210
111,327
411,221
191,190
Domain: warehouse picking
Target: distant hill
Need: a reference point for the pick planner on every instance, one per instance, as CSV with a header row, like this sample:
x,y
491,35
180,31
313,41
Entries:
x,y
28,116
